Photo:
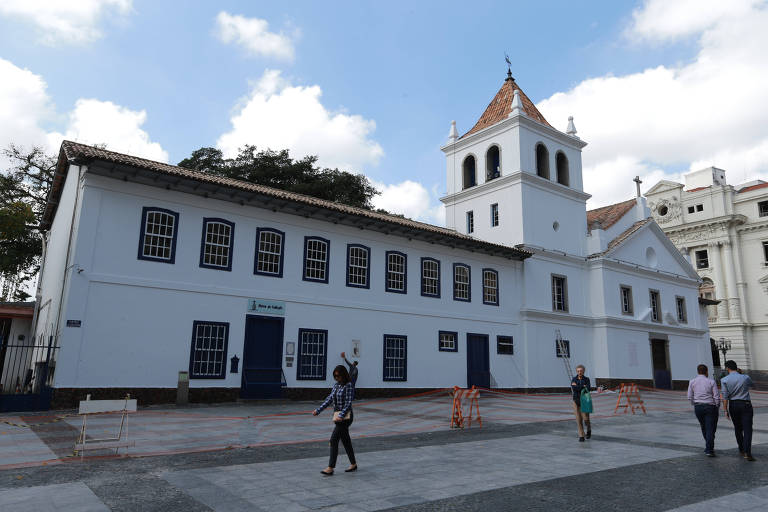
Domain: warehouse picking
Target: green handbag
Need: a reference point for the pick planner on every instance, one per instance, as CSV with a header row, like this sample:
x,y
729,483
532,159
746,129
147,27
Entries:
x,y
586,401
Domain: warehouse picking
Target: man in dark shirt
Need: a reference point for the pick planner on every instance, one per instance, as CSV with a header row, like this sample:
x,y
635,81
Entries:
x,y
578,383
738,406
352,369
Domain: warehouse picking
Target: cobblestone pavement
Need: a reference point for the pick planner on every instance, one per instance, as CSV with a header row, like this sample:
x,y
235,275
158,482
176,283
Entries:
x,y
267,457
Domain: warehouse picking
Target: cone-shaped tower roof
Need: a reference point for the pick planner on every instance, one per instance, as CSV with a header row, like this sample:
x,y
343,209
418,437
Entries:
x,y
501,105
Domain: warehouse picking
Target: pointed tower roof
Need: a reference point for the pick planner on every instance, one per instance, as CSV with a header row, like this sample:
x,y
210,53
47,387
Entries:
x,y
501,105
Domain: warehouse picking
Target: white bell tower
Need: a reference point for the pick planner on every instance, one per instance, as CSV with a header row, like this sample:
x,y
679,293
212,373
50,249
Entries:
x,y
514,179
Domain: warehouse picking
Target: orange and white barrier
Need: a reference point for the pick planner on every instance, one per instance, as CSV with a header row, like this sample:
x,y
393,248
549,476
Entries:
x,y
460,398
631,397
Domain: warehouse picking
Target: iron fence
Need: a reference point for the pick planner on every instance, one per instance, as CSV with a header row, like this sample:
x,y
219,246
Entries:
x,y
27,366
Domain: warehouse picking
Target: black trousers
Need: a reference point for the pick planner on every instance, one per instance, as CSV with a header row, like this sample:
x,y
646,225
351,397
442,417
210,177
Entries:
x,y
707,416
341,432
741,415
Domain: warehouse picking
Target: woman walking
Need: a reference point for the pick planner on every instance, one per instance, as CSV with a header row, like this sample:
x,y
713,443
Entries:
x,y
341,395
578,383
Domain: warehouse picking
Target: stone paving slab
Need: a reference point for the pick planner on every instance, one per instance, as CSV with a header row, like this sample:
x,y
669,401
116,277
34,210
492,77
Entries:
x,y
48,498
755,499
407,476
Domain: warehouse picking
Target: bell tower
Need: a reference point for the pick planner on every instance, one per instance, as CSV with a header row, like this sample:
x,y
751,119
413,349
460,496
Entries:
x,y
514,179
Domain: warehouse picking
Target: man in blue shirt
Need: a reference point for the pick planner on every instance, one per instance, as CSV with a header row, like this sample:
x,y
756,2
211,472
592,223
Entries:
x,y
738,406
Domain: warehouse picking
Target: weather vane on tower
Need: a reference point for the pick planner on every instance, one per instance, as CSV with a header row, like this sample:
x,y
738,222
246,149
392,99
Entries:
x,y
509,67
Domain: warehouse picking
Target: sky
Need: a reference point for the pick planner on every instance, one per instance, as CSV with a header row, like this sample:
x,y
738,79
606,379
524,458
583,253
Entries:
x,y
657,88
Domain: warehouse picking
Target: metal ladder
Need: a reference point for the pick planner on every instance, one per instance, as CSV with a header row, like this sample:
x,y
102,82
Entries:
x,y
565,355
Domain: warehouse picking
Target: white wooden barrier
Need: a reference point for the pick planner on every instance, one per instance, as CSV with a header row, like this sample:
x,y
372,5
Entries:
x,y
88,407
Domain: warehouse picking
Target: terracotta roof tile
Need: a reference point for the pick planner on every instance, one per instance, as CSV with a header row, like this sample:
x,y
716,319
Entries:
x,y
501,105
73,152
697,189
753,187
622,237
609,215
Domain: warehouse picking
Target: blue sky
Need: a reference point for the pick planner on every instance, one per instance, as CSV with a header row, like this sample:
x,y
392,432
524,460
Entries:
x,y
657,88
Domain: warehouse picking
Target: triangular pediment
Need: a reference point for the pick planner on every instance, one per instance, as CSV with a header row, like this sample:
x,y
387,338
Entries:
x,y
664,186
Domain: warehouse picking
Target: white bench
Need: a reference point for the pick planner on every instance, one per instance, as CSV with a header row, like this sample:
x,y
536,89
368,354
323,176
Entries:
x,y
88,407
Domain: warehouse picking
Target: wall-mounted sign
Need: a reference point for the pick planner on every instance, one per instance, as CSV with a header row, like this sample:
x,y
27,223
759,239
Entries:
x,y
268,307
73,323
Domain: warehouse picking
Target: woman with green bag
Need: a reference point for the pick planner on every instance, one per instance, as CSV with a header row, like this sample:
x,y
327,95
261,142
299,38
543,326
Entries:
x,y
582,402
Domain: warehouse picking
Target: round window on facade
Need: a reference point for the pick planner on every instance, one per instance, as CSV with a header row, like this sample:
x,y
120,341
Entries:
x,y
555,225
650,257
663,210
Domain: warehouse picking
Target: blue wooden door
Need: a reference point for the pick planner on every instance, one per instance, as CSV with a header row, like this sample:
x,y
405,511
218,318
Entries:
x,y
262,357
478,363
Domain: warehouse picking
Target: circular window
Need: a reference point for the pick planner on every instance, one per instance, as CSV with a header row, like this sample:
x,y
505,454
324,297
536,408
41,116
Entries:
x,y
663,210
555,225
650,257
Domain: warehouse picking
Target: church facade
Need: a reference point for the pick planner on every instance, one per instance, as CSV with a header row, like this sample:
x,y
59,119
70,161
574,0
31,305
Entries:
x,y
151,269
723,230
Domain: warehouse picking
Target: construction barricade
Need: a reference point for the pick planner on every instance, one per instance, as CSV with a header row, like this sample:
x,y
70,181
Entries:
x,y
629,399
465,398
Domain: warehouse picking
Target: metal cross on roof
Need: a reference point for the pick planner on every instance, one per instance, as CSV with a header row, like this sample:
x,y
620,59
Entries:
x,y
637,181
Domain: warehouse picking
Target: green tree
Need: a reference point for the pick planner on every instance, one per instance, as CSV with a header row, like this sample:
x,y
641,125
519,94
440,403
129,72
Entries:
x,y
24,189
277,169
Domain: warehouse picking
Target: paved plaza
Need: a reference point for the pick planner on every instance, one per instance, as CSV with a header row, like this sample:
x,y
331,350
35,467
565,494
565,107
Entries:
x,y
267,456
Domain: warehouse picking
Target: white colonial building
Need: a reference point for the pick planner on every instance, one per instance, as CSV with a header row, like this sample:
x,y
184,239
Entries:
x,y
723,230
152,269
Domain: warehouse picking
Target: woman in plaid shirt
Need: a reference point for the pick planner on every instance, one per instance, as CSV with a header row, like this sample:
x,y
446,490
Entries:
x,y
341,395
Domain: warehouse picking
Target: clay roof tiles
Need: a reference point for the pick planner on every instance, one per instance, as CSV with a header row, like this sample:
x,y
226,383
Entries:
x,y
609,215
73,152
501,105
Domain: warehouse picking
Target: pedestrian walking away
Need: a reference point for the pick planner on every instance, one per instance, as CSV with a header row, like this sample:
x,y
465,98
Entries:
x,y
352,369
579,383
705,399
738,406
341,396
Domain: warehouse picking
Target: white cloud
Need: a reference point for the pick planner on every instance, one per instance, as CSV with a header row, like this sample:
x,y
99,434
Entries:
x,y
253,35
408,198
665,20
65,21
709,111
103,122
277,115
25,103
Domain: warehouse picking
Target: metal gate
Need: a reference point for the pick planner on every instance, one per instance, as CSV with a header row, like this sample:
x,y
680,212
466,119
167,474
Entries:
x,y
26,373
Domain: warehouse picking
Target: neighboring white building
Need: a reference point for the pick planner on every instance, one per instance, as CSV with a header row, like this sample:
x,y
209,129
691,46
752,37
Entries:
x,y
723,230
152,269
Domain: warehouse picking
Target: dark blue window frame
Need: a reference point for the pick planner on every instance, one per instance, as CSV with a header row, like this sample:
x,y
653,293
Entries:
x,y
304,277
142,233
405,272
256,270
231,225
511,341
566,347
300,361
496,273
367,284
405,359
421,273
469,282
455,341
223,373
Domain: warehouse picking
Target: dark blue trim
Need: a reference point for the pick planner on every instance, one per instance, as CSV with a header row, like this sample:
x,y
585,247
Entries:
x,y
405,272
469,282
367,270
259,231
499,338
298,355
470,214
497,214
384,358
224,361
142,232
455,341
421,273
327,259
231,225
497,287
567,345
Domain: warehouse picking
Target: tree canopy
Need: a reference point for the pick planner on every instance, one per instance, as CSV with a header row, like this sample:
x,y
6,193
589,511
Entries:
x,y
23,194
277,169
